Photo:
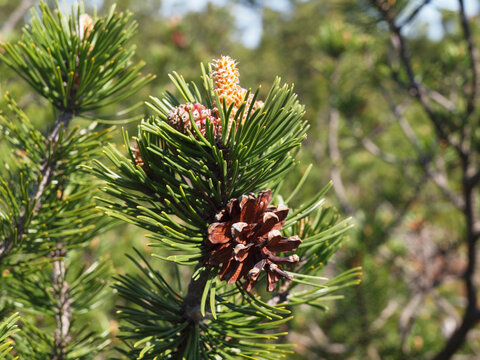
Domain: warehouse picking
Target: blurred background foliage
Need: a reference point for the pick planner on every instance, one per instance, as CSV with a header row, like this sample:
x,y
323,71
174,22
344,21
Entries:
x,y
408,236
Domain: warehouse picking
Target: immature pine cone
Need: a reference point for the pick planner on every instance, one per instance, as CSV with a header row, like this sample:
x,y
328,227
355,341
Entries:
x,y
226,80
179,118
246,237
86,25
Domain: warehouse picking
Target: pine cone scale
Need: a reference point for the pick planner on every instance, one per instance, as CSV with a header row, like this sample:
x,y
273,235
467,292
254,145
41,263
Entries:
x,y
217,233
282,244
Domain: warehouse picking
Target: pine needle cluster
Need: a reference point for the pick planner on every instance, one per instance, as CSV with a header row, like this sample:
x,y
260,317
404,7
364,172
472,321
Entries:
x,y
79,64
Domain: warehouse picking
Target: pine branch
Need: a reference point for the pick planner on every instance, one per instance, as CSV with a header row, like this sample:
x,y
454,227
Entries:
x,y
8,329
47,169
48,166
191,302
63,309
195,179
78,64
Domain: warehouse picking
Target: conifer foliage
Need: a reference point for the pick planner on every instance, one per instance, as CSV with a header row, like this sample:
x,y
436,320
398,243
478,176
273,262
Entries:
x,y
47,209
205,178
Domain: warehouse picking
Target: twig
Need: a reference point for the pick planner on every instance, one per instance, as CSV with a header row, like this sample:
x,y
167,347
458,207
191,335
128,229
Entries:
x,y
15,17
408,317
63,309
336,160
403,122
470,317
472,54
441,181
444,305
373,148
441,100
416,89
424,160
191,302
47,169
474,179
386,313
414,13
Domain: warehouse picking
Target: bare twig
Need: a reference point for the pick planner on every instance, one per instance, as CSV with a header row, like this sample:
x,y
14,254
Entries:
x,y
441,100
15,17
414,13
408,317
447,308
376,151
470,316
473,57
441,181
424,160
386,313
466,157
416,89
336,160
474,179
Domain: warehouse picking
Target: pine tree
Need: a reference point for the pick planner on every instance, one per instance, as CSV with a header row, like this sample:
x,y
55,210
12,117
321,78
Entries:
x,y
79,64
204,177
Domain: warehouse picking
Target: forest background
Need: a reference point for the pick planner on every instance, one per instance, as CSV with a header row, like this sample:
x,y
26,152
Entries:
x,y
371,134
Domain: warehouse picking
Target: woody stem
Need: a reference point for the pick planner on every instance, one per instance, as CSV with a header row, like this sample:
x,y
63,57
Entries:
x,y
191,302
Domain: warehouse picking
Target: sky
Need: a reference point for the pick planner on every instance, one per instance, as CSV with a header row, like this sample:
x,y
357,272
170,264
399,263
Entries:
x,y
430,14
249,21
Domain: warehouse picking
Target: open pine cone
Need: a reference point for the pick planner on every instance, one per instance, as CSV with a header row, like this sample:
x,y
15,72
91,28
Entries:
x,y
246,238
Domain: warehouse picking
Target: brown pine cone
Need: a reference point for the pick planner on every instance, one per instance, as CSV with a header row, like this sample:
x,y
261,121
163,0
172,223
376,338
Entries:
x,y
246,238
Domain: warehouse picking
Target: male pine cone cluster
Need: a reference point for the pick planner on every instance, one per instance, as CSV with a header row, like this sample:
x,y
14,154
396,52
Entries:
x,y
226,78
246,239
